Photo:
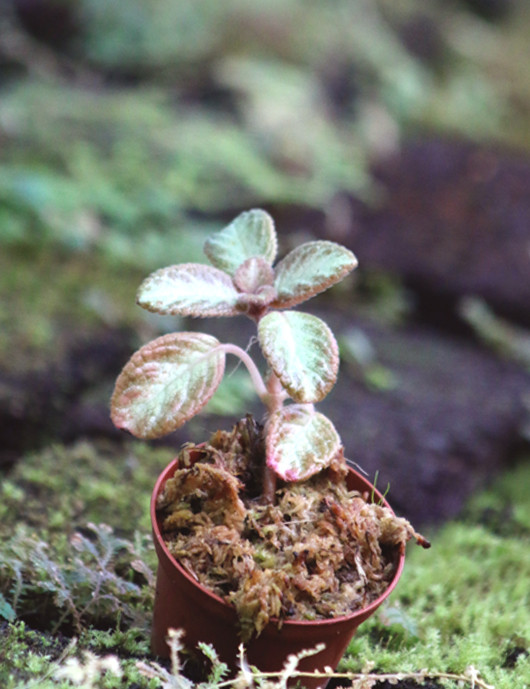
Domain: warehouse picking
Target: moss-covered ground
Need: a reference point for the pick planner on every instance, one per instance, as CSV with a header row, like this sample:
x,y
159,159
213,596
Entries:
x,y
77,573
466,602
49,296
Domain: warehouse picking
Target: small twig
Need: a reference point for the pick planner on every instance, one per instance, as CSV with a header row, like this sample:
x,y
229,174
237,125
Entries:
x,y
247,675
289,671
472,678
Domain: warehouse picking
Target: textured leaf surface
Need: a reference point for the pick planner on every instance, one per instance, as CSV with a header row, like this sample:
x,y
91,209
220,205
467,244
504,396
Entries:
x,y
166,382
309,269
302,352
254,273
300,442
189,289
251,234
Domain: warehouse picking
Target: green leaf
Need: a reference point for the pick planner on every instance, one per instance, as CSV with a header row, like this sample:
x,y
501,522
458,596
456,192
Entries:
x,y
300,442
167,382
189,289
309,269
396,616
219,669
251,234
6,610
302,352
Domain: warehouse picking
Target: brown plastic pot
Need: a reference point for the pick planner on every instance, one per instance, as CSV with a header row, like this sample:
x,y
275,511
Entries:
x,y
182,603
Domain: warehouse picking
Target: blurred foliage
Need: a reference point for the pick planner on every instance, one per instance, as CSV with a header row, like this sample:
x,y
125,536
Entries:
x,y
95,581
501,336
130,131
148,119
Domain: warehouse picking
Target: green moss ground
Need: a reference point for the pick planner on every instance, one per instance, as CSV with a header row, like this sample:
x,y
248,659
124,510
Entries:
x,y
48,296
463,603
466,601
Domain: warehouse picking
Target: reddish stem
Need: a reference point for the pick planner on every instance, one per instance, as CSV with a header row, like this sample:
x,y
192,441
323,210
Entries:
x,y
276,396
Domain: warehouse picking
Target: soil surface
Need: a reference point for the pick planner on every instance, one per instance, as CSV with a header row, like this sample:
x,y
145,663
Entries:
x,y
451,420
64,399
402,684
453,220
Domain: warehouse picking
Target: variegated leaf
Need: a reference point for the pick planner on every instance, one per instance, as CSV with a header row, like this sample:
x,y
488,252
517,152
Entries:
x,y
309,269
189,289
167,382
302,352
300,442
251,234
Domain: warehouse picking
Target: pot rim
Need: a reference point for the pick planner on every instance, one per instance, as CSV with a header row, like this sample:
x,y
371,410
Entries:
x,y
162,478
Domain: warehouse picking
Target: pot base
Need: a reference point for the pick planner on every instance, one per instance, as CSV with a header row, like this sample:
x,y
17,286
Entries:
x,y
182,603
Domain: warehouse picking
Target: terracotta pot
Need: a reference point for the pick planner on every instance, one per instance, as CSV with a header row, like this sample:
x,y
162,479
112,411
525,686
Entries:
x,y
182,603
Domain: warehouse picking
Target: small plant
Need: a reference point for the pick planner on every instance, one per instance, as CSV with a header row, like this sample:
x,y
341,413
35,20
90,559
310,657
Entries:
x,y
172,378
88,587
262,516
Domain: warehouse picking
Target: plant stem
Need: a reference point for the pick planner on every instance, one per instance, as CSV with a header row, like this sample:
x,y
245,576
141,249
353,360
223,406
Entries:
x,y
272,395
254,373
360,679
275,393
275,397
269,485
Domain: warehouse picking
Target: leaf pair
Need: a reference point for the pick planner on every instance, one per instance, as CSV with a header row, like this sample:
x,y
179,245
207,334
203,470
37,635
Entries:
x,y
241,274
172,378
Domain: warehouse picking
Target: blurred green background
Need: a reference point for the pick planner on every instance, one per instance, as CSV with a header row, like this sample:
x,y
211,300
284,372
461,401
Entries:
x,y
130,130
125,124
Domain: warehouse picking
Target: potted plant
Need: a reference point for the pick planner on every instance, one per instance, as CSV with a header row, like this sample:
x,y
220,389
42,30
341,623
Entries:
x,y
264,533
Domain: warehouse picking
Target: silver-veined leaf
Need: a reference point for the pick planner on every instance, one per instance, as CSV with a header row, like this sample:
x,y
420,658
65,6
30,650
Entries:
x,y
189,289
300,442
302,352
309,269
251,234
166,382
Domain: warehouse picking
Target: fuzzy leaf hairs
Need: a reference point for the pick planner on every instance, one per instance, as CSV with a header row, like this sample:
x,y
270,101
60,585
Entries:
x,y
166,383
170,380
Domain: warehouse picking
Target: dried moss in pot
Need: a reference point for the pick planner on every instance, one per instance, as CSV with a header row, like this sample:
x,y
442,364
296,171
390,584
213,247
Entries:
x,y
320,551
